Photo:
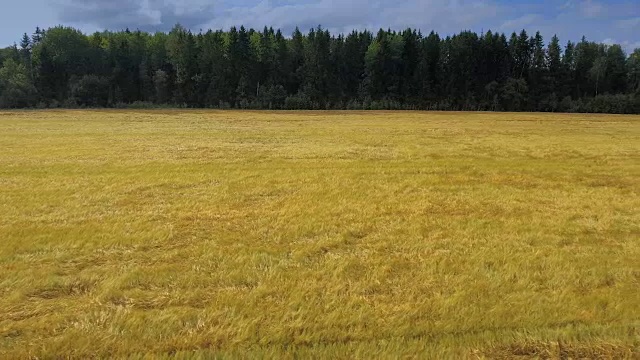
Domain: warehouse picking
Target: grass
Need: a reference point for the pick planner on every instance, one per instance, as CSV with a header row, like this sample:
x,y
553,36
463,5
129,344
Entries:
x,y
203,234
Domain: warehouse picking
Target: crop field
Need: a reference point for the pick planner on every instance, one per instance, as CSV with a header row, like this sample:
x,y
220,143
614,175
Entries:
x,y
211,234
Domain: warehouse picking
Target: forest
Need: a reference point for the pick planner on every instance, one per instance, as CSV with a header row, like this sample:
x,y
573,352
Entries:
x,y
267,69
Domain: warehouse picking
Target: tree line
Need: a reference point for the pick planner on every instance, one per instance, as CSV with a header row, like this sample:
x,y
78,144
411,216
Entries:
x,y
249,69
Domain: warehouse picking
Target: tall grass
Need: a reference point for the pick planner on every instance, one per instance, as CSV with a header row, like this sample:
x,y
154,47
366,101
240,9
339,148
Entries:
x,y
319,234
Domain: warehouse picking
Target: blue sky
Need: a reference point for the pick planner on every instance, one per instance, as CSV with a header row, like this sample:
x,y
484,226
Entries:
x,y
612,21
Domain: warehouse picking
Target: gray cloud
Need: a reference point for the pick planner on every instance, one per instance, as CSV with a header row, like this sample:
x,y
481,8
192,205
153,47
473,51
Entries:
x,y
343,16
569,19
591,8
146,14
337,15
631,24
521,22
328,13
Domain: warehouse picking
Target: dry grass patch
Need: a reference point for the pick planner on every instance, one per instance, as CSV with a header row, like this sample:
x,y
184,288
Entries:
x,y
319,234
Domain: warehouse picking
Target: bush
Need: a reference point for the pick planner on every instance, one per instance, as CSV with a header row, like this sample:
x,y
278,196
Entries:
x,y
16,90
565,105
91,91
70,103
297,102
143,105
613,104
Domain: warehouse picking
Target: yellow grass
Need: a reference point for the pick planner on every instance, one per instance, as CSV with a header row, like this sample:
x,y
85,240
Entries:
x,y
317,234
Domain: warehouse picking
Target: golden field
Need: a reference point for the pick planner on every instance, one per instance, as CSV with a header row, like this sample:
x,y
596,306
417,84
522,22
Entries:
x,y
207,234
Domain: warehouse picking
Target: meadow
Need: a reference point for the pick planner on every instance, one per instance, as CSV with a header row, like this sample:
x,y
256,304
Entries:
x,y
212,234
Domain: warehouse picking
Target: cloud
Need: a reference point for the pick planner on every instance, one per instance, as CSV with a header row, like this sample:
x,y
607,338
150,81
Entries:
x,y
628,46
585,8
343,16
143,14
569,19
329,13
441,15
632,24
522,22
591,8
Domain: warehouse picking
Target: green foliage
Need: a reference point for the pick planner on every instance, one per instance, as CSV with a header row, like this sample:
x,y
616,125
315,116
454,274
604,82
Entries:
x,y
249,69
633,71
91,90
613,104
514,93
382,64
16,89
298,102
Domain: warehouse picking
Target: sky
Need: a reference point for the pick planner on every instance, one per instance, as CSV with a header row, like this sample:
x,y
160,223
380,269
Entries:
x,y
608,21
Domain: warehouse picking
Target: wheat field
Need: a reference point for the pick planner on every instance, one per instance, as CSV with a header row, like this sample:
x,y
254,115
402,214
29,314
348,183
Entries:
x,y
351,235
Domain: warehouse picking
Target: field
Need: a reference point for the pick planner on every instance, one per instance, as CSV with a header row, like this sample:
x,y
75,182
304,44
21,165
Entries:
x,y
201,234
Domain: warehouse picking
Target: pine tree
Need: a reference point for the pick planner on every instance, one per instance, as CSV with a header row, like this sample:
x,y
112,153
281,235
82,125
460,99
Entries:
x,y
264,69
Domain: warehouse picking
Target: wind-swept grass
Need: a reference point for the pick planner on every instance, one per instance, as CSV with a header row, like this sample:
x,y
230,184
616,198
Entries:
x,y
319,234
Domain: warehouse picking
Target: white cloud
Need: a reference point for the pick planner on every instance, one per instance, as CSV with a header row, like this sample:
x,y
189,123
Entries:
x,y
627,45
143,14
632,24
569,19
343,16
591,8
328,13
522,22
